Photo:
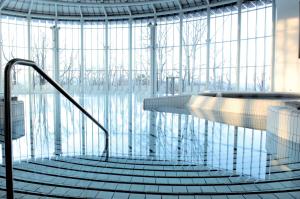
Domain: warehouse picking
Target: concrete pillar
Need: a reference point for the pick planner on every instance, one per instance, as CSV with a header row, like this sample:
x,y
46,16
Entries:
x,y
152,135
32,141
82,87
57,100
152,27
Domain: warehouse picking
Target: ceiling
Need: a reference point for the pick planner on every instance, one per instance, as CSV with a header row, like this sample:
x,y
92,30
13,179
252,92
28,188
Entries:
x,y
103,9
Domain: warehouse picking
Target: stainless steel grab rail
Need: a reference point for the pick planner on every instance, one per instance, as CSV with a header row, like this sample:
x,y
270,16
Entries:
x,y
7,118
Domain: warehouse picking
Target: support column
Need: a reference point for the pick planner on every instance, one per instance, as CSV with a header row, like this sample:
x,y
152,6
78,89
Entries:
x,y
32,141
153,58
130,126
130,55
82,87
205,142
130,88
107,79
106,74
152,135
239,44
208,49
274,17
57,103
179,140
180,53
235,148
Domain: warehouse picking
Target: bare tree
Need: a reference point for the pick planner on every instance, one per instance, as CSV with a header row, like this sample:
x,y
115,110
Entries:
x,y
162,53
193,32
260,84
142,76
39,56
228,81
68,77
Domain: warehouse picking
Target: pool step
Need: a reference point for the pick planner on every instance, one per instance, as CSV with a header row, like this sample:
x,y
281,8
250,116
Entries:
x,y
89,177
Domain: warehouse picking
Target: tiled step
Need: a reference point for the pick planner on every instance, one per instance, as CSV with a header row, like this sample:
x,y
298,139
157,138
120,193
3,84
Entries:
x,y
86,178
290,170
47,185
135,173
59,192
131,171
122,160
113,165
190,181
111,177
147,175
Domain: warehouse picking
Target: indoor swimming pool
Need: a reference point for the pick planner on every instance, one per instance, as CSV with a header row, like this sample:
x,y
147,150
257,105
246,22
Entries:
x,y
140,99
148,135
151,154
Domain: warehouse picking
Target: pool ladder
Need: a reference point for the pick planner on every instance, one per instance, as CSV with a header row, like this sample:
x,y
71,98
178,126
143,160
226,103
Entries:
x,y
7,118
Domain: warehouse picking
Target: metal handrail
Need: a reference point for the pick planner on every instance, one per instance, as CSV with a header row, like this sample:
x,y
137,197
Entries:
x,y
7,118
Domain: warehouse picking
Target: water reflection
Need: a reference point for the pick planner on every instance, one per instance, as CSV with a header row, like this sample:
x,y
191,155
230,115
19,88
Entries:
x,y
135,133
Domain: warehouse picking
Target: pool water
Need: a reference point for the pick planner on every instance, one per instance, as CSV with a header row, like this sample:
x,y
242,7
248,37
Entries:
x,y
58,128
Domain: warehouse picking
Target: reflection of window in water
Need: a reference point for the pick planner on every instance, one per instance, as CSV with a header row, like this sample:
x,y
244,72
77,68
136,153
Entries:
x,y
163,136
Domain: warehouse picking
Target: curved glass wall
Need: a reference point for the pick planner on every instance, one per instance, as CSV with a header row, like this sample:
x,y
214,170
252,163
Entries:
x,y
111,66
200,51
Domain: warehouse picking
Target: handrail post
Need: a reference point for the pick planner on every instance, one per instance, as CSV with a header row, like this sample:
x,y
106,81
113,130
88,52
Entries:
x,y
7,116
7,131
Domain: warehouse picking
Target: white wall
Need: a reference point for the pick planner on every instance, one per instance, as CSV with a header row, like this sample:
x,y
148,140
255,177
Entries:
x,y
287,63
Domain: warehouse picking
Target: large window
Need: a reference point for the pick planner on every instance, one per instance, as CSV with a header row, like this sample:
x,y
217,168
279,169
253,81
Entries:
x,y
141,56
42,50
99,62
256,46
223,49
118,55
199,50
69,54
167,51
194,52
94,67
15,45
